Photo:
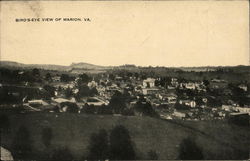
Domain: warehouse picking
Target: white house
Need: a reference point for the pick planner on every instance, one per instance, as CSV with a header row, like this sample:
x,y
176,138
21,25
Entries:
x,y
148,83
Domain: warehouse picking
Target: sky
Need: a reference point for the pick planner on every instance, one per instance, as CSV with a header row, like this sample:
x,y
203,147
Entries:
x,y
159,33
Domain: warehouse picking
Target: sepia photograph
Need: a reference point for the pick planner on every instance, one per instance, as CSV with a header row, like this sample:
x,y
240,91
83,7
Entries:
x,y
124,80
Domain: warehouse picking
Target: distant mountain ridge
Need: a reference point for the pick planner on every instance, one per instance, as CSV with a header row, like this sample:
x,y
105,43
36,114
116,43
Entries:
x,y
40,66
51,66
87,66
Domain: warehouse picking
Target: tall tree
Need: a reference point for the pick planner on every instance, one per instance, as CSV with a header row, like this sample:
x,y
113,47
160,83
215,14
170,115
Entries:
x,y
118,102
189,150
47,136
121,147
98,146
22,145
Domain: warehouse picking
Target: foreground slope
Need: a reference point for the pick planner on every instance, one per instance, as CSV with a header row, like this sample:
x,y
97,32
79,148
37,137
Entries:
x,y
218,139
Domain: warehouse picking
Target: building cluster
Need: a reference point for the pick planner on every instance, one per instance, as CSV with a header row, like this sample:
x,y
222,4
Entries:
x,y
178,99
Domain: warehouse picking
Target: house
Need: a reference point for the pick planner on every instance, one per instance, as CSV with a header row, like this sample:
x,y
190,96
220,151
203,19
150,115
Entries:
x,y
221,114
190,103
204,100
155,102
227,108
242,110
169,97
179,115
96,101
189,85
56,79
174,82
192,85
214,109
149,83
92,84
171,87
150,91
38,105
218,83
243,87
37,102
167,117
61,100
227,92
118,78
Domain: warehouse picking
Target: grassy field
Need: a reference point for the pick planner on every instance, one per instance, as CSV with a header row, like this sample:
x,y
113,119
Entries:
x,y
218,139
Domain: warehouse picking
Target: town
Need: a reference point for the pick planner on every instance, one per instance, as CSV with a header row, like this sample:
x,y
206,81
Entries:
x,y
122,92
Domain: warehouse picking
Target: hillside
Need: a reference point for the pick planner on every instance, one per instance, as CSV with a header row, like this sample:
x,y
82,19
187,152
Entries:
x,y
86,66
10,64
218,139
74,67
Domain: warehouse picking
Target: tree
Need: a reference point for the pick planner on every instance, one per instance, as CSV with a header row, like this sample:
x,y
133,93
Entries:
x,y
205,82
93,91
22,145
50,91
104,110
144,107
240,96
111,76
68,92
47,136
65,78
89,109
71,107
83,91
36,72
84,78
121,147
179,106
189,150
98,146
48,77
118,102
